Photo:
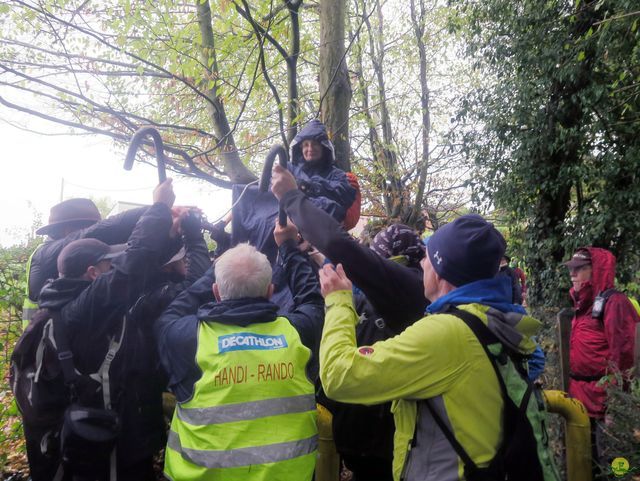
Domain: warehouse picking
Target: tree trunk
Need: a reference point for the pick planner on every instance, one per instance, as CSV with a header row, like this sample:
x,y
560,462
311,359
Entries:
x,y
335,88
292,69
418,23
391,184
233,166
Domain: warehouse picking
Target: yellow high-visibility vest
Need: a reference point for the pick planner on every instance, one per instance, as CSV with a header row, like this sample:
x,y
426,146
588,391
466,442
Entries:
x,y
28,306
252,416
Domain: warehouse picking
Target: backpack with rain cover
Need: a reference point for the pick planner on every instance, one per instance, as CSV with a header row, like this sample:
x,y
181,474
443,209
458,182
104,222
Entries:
x,y
523,454
49,392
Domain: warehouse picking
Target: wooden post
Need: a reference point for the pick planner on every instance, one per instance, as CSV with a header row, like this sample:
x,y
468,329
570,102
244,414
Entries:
x,y
564,335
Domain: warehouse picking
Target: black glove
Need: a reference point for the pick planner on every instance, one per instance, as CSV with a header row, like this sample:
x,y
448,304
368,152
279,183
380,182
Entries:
x,y
217,232
191,226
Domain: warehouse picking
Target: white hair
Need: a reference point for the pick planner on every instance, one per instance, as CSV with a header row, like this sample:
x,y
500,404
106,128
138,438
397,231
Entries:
x,y
242,272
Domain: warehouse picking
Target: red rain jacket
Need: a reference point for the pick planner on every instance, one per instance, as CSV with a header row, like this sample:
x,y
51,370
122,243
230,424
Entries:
x,y
599,346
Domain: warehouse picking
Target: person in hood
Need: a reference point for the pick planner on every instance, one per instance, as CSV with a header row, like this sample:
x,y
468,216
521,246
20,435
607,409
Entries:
x,y
243,374
394,289
313,165
437,359
601,342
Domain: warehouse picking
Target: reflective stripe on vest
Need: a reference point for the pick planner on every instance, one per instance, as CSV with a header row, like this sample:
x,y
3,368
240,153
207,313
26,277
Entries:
x,y
246,411
232,458
28,306
252,415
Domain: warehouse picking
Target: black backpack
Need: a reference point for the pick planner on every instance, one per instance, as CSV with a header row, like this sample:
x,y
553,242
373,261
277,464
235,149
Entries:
x,y
517,458
42,371
51,394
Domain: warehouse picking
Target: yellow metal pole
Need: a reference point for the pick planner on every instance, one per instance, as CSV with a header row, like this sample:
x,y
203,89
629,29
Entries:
x,y
578,435
328,464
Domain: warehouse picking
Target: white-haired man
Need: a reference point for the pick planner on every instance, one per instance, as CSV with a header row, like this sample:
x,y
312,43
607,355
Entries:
x,y
241,373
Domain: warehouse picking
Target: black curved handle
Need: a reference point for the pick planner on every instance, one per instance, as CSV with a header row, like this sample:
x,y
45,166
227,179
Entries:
x,y
136,142
265,178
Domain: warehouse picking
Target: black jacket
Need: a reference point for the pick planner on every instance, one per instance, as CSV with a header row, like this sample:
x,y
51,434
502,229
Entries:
x,y
395,291
365,433
95,316
114,230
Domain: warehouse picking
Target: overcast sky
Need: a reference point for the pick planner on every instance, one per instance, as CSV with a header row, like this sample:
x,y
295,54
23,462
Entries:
x,y
34,166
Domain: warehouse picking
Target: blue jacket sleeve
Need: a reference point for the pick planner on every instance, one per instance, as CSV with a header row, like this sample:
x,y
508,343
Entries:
x,y
334,186
176,335
536,363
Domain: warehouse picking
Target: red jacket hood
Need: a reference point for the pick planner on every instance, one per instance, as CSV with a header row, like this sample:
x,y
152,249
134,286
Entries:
x,y
603,273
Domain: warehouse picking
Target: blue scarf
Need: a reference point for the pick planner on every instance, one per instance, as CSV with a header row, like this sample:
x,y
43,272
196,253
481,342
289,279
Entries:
x,y
494,292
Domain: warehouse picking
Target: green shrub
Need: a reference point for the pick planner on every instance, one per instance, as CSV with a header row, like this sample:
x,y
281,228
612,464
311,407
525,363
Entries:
x,y
12,287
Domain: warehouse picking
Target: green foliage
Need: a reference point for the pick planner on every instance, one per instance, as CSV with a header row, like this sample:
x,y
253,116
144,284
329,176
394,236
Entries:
x,y
12,287
622,423
553,128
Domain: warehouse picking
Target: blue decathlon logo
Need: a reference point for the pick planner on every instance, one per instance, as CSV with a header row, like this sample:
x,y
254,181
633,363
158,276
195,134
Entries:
x,y
247,341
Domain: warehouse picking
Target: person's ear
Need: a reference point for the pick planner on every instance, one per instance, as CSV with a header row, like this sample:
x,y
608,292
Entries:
x,y
270,290
91,273
437,276
216,292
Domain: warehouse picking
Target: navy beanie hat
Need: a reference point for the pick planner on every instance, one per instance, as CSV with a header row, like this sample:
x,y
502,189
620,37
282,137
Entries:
x,y
466,250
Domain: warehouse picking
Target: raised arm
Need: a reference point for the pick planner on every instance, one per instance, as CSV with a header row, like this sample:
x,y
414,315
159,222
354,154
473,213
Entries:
x,y
96,314
394,290
197,253
308,312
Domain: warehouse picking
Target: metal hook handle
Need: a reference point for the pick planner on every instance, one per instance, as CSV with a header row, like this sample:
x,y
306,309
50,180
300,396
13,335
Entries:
x,y
136,142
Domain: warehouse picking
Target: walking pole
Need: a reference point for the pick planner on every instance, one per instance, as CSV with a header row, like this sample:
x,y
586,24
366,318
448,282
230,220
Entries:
x,y
136,142
265,178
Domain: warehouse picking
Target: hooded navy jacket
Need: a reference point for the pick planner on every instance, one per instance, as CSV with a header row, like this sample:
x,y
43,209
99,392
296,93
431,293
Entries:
x,y
325,184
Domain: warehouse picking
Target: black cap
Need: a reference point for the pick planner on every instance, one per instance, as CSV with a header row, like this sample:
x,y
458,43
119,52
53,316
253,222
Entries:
x,y
580,258
77,212
75,258
466,250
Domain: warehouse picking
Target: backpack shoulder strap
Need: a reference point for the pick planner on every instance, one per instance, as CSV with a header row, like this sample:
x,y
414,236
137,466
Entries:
x,y
485,337
469,465
60,338
606,294
102,376
609,292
